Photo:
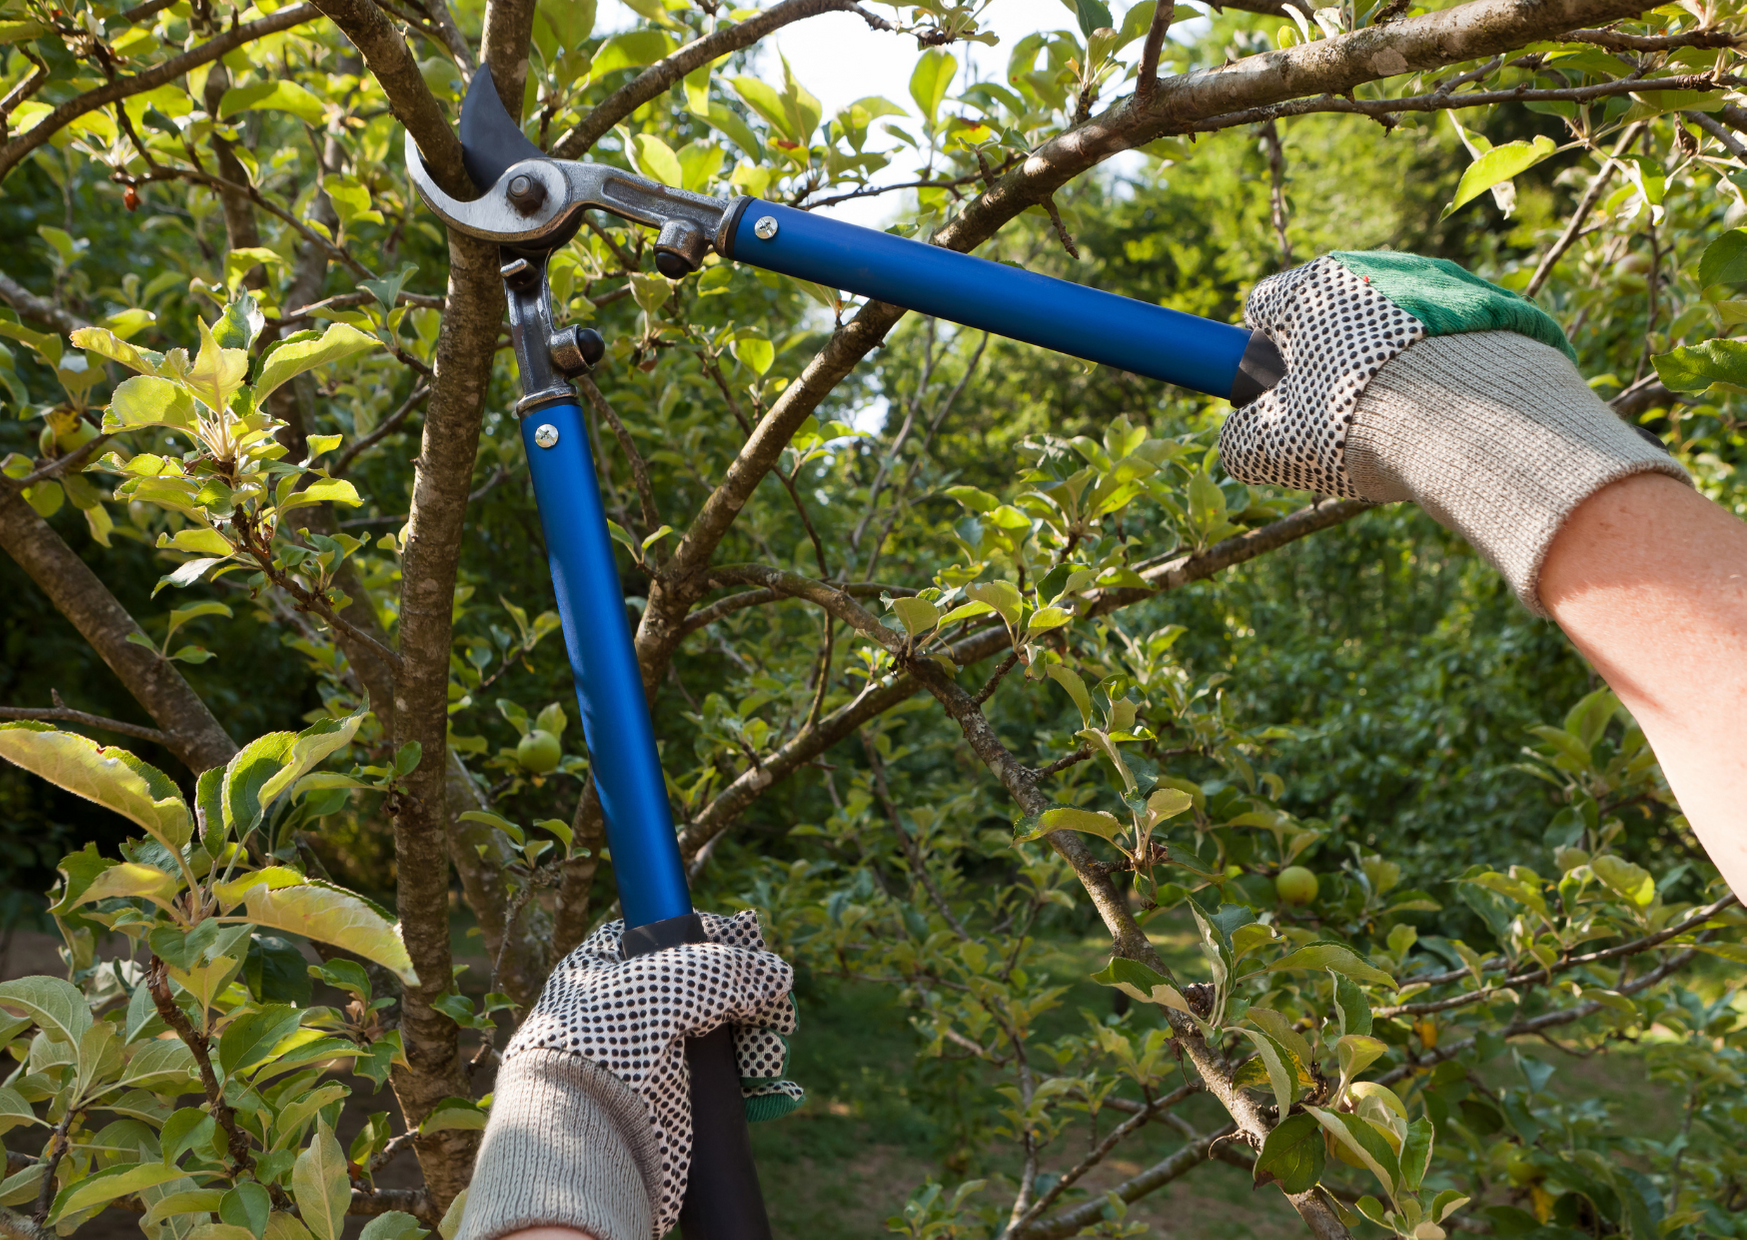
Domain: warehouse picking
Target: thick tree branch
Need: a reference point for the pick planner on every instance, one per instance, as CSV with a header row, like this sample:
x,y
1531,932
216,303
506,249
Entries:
x,y
39,310
23,144
190,731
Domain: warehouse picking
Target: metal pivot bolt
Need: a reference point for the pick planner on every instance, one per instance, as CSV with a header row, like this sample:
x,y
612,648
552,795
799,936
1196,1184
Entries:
x,y
576,350
765,229
546,435
679,248
526,194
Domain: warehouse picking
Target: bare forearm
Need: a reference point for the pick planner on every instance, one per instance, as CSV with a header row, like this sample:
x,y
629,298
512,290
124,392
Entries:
x,y
1649,579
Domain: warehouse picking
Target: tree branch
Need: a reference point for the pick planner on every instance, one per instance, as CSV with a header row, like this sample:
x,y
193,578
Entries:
x,y
1147,76
38,309
65,714
236,1141
189,729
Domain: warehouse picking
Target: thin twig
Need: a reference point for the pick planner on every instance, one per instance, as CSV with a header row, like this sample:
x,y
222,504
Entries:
x,y
989,686
639,467
1061,229
236,1141
64,714
1277,189
389,425
1591,196
1147,76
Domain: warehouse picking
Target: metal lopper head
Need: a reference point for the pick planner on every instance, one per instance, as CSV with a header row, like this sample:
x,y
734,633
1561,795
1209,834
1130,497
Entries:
x,y
534,203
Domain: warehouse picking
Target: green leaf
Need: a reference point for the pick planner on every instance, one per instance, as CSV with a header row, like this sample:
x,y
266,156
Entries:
x,y
1282,1079
1350,1005
323,491
1629,881
1416,1153
1724,262
14,1110
145,401
1364,1142
1693,368
247,1206
656,160
755,353
285,363
1293,1154
111,777
1092,15
629,50
106,1186
249,1040
321,1185
218,373
1356,1052
917,615
394,1225
128,879
1499,164
276,94
107,344
161,1063
1068,818
453,1113
974,499
1076,689
328,915
1336,956
930,80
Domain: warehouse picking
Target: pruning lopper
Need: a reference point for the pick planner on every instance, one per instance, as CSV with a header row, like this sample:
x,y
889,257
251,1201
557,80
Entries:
x,y
531,205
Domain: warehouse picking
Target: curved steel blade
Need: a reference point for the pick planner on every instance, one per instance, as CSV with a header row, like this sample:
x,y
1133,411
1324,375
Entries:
x,y
490,140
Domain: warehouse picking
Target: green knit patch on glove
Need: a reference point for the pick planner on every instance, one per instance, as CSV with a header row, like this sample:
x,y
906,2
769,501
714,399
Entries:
x,y
1449,301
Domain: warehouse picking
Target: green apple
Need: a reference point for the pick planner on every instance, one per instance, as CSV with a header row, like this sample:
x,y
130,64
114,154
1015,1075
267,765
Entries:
x,y
539,752
1295,885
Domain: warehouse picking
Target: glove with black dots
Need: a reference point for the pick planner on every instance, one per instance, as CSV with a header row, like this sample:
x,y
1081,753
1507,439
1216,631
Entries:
x,y
590,1123
1408,378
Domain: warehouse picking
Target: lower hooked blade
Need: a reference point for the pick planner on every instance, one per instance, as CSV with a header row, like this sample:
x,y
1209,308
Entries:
x,y
491,142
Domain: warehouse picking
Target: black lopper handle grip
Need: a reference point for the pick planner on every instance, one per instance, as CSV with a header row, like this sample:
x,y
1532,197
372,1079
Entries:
x,y
723,1200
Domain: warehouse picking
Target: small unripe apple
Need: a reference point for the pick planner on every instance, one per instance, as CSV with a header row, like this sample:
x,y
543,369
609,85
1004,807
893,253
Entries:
x,y
539,752
81,434
1295,885
45,441
140,513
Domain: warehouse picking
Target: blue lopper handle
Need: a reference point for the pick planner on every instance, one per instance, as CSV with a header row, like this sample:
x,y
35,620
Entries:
x,y
723,1200
609,686
1070,318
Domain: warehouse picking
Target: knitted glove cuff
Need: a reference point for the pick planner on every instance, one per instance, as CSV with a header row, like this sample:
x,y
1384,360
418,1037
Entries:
x,y
569,1145
1497,437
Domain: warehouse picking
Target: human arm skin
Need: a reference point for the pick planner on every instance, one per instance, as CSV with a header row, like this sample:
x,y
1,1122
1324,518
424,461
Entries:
x,y
1649,580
